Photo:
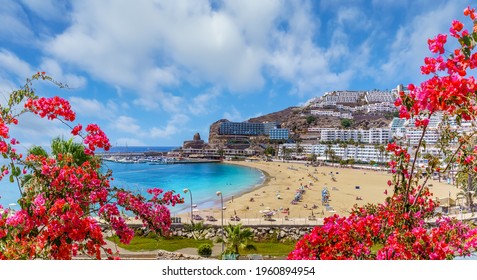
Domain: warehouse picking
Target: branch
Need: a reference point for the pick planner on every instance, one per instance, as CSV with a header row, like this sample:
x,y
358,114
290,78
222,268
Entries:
x,y
415,159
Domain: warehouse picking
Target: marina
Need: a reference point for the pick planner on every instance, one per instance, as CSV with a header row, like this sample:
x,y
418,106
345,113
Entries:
x,y
151,158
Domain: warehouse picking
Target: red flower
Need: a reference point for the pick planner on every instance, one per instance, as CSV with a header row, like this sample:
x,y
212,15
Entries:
x,y
76,129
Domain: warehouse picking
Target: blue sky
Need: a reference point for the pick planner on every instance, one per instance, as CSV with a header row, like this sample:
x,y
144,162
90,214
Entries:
x,y
156,72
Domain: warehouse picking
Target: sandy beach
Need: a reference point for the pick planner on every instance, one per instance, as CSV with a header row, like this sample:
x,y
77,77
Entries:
x,y
346,187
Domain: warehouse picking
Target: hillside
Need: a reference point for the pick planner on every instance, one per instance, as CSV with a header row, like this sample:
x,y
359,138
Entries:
x,y
295,119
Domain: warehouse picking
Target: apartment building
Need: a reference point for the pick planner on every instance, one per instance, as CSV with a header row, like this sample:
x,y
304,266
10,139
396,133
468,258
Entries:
x,y
331,114
371,136
279,134
377,96
246,128
363,153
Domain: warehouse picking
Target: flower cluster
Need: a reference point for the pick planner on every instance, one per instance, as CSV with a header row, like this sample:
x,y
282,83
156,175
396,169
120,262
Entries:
x,y
60,193
405,226
153,213
51,108
384,232
96,138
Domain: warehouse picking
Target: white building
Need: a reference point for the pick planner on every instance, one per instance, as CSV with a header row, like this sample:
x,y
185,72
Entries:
x,y
363,153
377,96
371,136
331,114
381,107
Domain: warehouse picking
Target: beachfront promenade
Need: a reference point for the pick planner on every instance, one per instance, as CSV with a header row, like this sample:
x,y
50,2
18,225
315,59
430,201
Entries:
x,y
468,217
264,222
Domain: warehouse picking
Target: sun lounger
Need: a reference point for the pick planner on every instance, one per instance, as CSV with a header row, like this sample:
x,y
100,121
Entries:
x,y
211,219
197,217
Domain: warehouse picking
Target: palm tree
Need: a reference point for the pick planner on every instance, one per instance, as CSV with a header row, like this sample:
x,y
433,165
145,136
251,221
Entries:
x,y
286,152
381,150
467,183
299,149
238,237
67,149
67,153
344,145
328,151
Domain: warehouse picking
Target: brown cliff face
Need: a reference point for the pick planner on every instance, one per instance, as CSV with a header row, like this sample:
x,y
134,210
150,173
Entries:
x,y
215,140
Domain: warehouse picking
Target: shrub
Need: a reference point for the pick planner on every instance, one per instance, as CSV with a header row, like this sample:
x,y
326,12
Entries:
x,y
205,250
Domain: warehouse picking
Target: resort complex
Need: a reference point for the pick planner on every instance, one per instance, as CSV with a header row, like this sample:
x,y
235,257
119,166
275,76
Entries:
x,y
337,127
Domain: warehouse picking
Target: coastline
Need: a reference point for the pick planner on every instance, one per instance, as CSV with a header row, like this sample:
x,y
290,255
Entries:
x,y
282,181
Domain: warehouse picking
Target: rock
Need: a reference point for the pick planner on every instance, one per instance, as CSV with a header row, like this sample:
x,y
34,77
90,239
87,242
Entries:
x,y
166,255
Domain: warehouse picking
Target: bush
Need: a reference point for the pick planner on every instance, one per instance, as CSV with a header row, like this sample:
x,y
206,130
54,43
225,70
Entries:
x,y
205,250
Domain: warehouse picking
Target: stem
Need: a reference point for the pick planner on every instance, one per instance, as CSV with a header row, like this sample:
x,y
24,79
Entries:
x,y
17,179
415,159
448,165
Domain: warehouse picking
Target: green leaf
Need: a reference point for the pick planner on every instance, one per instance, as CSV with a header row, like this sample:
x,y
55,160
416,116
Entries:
x,y
16,171
466,52
466,41
12,178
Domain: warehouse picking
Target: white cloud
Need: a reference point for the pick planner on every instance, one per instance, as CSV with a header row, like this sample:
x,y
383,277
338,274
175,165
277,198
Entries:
x,y
92,108
204,103
235,46
12,64
166,101
47,9
53,69
410,43
154,47
126,124
14,23
160,77
33,130
233,115
354,18
175,125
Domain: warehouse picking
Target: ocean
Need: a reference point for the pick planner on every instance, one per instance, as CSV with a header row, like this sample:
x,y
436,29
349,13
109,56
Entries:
x,y
202,179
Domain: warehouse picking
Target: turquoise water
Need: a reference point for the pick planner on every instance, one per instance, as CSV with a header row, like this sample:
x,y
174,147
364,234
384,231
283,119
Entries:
x,y
203,179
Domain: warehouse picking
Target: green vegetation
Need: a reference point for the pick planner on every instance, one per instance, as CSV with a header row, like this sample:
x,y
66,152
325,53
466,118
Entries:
x,y
197,229
141,243
205,250
265,248
238,238
346,123
270,151
269,248
310,119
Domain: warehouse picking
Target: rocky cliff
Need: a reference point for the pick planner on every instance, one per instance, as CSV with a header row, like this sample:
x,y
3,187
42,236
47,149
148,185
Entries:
x,y
298,120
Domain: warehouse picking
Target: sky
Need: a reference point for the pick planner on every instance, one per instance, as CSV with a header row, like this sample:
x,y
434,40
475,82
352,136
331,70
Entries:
x,y
153,73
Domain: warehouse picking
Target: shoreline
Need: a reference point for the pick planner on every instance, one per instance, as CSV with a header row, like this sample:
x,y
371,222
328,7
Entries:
x,y
284,179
